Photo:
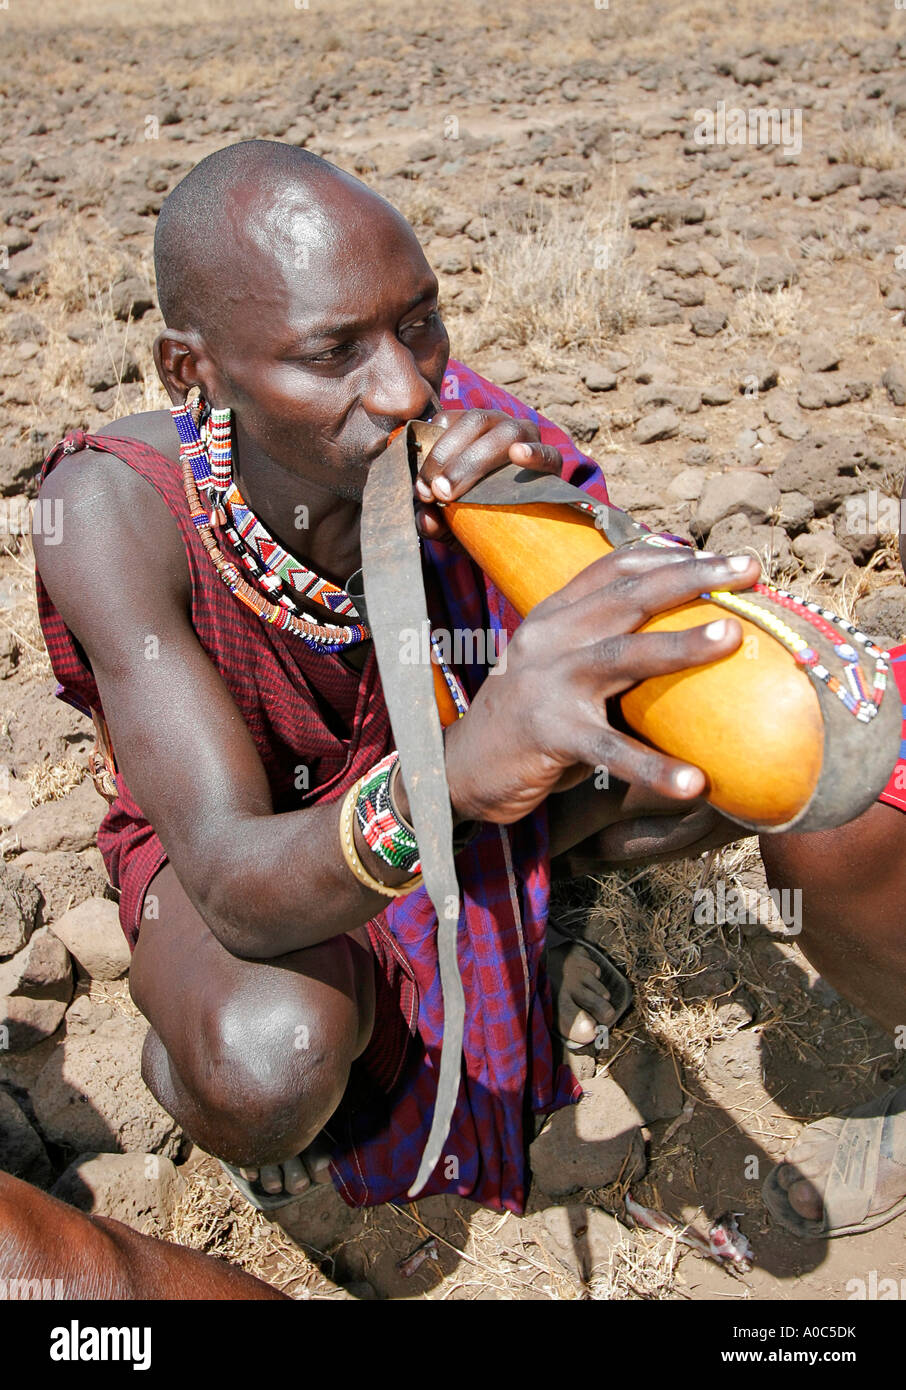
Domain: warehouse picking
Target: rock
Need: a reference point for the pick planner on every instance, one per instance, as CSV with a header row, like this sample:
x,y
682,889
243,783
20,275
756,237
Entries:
x,y
615,361
649,1079
894,383
41,970
660,424
28,1022
796,511
698,456
580,425
739,491
707,322
756,374
599,378
736,534
885,185
820,550
774,273
817,355
15,799
795,429
90,1095
662,312
684,398
506,371
590,1144
687,485
736,1059
65,878
853,529
22,1152
780,406
9,649
683,292
68,824
20,909
131,298
824,466
718,394
650,369
109,364
92,933
139,1189
450,223
581,1238
859,390
671,210
817,391
882,614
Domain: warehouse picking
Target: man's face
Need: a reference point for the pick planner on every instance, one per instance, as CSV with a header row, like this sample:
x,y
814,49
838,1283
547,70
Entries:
x,y
332,336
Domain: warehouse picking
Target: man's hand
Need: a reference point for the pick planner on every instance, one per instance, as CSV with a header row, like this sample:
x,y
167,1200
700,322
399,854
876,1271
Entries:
x,y
475,443
541,725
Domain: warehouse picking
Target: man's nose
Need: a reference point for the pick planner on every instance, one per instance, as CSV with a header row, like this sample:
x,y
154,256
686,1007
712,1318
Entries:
x,y
396,389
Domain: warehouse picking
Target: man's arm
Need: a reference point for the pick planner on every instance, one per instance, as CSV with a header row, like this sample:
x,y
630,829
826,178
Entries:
x,y
264,883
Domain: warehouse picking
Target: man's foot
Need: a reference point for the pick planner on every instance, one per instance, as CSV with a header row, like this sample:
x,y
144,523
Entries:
x,y
582,1002
295,1176
857,1163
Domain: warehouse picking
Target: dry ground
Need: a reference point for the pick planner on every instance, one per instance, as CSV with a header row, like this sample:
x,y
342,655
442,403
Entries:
x,y
521,143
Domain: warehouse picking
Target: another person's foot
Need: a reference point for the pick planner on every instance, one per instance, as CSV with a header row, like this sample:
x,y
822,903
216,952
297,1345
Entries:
x,y
866,1165
296,1175
582,1003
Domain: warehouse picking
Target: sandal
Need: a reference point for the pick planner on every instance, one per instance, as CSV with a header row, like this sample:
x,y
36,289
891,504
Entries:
x,y
853,1176
255,1194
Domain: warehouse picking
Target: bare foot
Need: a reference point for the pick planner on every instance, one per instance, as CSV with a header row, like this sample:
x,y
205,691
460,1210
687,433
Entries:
x,y
294,1176
582,1002
804,1174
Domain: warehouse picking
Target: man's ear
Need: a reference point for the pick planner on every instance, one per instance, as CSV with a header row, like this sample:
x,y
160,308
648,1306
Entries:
x,y
182,362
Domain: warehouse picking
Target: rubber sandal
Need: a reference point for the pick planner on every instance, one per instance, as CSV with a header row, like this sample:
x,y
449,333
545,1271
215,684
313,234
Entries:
x,y
256,1196
613,980
852,1179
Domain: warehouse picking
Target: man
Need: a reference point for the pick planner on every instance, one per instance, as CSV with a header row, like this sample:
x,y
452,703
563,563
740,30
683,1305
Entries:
x,y
295,1018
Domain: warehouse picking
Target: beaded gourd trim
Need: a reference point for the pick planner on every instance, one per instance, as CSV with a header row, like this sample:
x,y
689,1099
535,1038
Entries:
x,y
853,691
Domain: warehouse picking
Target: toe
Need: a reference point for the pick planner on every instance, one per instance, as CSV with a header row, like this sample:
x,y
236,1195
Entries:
x,y
583,1027
272,1178
250,1174
805,1199
295,1177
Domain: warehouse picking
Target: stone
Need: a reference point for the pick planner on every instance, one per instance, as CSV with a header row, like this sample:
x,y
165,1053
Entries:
x,y
853,529
662,312
660,424
698,456
20,909
736,1059
774,273
756,374
650,369
590,1144
131,298
41,970
506,371
658,394
718,394
860,389
450,223
817,391
92,933
779,406
707,322
817,355
90,1095
29,1021
581,1238
15,799
599,378
22,1151
885,185
687,485
894,383
683,292
108,365
824,466
736,535
794,429
882,614
670,210
579,424
616,361
649,1080
820,550
796,511
139,1189
65,878
71,823
750,493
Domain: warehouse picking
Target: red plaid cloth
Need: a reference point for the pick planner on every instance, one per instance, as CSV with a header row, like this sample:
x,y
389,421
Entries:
x,y
290,698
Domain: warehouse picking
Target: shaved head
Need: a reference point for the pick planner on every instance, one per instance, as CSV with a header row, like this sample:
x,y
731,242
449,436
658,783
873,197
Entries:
x,y
254,197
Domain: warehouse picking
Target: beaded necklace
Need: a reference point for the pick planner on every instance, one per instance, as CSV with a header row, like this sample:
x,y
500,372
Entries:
x,y
853,691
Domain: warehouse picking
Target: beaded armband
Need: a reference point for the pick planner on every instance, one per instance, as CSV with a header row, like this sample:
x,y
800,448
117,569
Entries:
x,y
384,831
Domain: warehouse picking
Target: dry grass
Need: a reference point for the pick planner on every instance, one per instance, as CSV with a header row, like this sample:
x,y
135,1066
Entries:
x,y
878,145
566,283
51,781
768,314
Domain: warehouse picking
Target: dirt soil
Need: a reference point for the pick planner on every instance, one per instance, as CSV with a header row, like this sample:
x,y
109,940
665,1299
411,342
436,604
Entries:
x,y
687,311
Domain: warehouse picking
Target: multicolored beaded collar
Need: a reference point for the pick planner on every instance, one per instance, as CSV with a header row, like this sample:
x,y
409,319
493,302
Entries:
x,y
210,469
853,691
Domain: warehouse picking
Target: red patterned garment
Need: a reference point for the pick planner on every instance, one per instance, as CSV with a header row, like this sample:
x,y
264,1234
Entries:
x,y
302,707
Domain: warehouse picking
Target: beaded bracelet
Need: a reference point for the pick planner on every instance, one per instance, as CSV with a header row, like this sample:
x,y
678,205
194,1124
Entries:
x,y
384,831
350,853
